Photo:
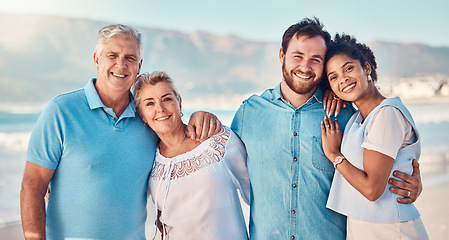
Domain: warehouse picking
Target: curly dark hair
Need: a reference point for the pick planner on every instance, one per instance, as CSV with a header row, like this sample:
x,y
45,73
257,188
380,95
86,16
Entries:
x,y
345,44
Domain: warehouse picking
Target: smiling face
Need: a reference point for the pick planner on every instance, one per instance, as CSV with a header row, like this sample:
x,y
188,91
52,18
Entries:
x,y
160,108
117,64
302,63
347,78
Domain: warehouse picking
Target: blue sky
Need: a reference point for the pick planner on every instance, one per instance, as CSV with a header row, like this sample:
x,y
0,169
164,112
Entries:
x,y
389,20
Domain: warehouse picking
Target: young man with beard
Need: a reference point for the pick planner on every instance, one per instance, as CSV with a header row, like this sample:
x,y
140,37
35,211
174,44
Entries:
x,y
290,175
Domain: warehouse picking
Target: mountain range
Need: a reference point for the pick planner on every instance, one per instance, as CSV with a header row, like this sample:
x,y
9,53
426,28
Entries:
x,y
42,56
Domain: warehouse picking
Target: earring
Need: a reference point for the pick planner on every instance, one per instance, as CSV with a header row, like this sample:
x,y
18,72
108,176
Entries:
x,y
182,114
145,124
370,78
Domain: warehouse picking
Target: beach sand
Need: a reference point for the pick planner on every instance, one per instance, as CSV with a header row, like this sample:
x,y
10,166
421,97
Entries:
x,y
11,232
432,204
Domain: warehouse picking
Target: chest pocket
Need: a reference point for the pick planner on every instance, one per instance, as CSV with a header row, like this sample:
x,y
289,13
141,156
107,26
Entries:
x,y
319,160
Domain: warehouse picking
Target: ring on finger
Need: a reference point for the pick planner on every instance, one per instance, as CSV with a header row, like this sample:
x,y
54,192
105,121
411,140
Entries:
x,y
336,98
408,193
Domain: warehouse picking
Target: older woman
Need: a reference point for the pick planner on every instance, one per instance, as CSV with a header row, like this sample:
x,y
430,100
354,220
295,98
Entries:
x,y
193,184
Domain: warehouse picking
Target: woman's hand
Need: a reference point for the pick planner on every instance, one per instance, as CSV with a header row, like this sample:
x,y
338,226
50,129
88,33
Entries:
x,y
332,103
159,224
331,137
203,125
47,196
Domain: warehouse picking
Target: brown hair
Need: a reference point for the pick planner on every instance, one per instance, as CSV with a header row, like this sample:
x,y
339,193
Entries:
x,y
310,27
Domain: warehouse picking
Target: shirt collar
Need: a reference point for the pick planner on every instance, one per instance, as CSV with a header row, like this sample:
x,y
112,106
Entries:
x,y
277,94
92,95
318,95
95,102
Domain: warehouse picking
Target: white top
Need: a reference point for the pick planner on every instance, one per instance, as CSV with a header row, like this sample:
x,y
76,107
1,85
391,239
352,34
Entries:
x,y
197,191
388,129
389,132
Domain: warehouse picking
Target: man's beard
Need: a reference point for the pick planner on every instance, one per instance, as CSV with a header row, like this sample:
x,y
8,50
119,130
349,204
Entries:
x,y
299,88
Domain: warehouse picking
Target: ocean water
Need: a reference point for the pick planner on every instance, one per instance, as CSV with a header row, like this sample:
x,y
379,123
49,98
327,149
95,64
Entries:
x,y
15,128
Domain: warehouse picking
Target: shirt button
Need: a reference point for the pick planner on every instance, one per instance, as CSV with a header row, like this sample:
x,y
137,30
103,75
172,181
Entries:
x,y
295,133
294,185
293,237
297,111
295,159
293,212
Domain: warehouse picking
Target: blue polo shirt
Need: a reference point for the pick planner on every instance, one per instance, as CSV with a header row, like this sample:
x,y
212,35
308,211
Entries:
x,y
290,175
101,162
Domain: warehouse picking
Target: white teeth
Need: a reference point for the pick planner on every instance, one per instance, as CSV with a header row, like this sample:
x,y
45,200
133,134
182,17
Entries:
x,y
118,75
348,87
302,76
160,119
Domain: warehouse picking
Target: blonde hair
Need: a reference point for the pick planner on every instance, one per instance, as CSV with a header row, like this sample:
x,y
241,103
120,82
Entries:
x,y
152,79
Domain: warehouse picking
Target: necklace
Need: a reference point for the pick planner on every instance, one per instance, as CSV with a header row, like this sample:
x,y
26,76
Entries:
x,y
180,146
177,150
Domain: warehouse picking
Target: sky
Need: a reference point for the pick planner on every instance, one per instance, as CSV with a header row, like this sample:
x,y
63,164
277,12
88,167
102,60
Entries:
x,y
409,21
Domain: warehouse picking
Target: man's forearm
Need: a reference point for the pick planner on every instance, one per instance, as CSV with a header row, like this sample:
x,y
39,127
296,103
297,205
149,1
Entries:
x,y
32,208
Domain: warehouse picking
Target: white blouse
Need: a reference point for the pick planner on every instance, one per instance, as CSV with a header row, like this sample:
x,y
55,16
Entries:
x,y
197,191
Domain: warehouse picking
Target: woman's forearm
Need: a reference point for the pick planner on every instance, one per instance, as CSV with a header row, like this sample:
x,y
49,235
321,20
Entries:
x,y
371,181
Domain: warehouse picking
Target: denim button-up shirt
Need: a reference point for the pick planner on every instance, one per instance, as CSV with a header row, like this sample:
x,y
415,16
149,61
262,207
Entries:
x,y
290,175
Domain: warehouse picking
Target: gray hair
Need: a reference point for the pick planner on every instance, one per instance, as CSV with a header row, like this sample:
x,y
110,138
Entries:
x,y
152,79
117,30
